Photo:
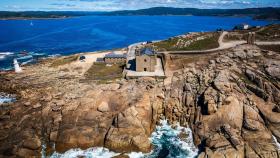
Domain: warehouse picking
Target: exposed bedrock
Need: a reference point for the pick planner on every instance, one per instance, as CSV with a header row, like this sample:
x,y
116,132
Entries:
x,y
231,101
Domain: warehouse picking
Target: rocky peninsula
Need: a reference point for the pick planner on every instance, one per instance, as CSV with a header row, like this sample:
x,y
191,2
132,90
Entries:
x,y
230,98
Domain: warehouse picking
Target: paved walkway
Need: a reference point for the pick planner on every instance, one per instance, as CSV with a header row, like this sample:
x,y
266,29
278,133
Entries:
x,y
268,42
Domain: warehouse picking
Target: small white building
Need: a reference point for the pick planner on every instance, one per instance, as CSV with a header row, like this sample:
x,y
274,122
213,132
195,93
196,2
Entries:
x,y
17,67
242,27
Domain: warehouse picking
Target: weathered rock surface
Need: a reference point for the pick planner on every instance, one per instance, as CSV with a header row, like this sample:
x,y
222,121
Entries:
x,y
231,103
230,99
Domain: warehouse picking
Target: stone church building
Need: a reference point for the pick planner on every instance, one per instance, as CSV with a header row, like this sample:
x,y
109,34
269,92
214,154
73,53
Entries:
x,y
146,60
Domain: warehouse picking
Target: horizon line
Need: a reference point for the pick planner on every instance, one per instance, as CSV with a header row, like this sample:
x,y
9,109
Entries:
x,y
136,9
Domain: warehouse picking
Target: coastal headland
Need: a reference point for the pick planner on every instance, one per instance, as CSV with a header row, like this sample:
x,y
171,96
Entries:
x,y
224,86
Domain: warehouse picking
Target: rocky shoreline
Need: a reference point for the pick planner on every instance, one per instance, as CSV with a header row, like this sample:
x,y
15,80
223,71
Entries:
x,y
229,98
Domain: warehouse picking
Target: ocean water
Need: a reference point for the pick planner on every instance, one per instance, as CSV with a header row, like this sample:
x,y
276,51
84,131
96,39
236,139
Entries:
x,y
165,139
6,98
29,40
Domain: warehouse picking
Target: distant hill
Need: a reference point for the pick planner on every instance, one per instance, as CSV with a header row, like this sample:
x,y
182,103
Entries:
x,y
43,14
257,13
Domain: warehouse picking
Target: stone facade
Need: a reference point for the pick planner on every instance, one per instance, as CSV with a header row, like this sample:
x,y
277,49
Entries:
x,y
108,60
113,58
146,60
145,63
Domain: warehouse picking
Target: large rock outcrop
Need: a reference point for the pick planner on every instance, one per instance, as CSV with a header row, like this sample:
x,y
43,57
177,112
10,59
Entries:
x,y
230,99
231,103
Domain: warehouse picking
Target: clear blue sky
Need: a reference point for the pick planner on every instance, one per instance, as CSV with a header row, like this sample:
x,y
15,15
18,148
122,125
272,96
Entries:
x,y
108,5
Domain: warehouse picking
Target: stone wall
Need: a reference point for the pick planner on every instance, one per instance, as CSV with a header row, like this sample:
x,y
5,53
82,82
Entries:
x,y
145,63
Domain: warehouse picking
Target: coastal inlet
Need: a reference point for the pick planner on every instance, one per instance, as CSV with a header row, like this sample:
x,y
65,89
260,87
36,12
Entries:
x,y
168,142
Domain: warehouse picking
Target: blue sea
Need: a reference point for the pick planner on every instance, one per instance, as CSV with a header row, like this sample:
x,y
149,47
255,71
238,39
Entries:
x,y
29,40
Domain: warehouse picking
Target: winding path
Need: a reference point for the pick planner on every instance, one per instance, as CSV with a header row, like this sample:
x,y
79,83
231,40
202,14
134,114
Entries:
x,y
268,43
222,45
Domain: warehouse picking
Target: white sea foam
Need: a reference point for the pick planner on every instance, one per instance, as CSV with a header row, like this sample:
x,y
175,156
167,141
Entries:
x,y
6,69
6,98
26,62
4,54
54,55
25,57
99,152
136,155
2,57
276,141
165,139
38,54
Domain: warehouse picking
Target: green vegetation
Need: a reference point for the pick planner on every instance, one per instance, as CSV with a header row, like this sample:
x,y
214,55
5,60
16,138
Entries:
x,y
269,33
102,73
167,44
257,13
203,44
208,43
64,61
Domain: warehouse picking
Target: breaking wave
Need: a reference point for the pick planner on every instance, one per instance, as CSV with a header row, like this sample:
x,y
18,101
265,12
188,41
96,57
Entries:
x,y
4,54
27,57
89,153
54,55
170,143
276,141
6,98
167,141
27,62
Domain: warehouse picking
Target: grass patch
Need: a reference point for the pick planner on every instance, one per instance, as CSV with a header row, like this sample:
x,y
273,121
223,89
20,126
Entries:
x,y
269,33
167,44
208,43
64,61
203,44
104,74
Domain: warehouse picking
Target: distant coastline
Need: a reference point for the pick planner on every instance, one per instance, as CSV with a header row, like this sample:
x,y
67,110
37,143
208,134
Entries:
x,y
268,13
23,15
32,18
